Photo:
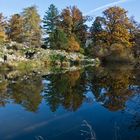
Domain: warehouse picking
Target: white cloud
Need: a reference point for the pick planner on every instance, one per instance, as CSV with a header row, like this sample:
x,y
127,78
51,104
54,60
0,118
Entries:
x,y
105,6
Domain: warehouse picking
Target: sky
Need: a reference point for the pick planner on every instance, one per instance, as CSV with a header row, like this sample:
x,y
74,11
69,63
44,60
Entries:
x,y
88,7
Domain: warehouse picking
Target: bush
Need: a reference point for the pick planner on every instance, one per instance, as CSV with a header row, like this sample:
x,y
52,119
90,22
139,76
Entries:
x,y
57,58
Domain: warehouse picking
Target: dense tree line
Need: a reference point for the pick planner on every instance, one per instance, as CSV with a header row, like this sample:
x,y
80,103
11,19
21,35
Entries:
x,y
22,28
114,33
66,30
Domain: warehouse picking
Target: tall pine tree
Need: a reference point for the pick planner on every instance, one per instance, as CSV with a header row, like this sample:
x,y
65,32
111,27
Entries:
x,y
50,25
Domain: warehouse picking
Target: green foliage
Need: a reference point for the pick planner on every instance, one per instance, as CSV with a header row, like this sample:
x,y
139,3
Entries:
x,y
50,23
59,40
58,94
82,51
54,58
98,34
135,33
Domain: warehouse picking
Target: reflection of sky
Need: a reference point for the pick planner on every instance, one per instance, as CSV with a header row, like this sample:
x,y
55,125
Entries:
x,y
135,88
133,105
103,91
45,86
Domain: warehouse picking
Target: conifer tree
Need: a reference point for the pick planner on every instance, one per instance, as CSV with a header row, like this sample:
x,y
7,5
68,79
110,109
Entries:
x,y
16,28
32,28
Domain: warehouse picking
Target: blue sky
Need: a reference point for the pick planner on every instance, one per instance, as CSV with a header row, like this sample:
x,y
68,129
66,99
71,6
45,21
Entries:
x,y
92,7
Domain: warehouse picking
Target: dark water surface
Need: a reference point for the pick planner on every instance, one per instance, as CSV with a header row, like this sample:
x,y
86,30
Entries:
x,y
92,104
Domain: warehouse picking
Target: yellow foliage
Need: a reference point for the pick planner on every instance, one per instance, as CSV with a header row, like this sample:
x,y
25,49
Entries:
x,y
73,77
117,48
73,44
2,35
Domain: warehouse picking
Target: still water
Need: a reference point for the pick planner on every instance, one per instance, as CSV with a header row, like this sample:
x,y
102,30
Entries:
x,y
90,104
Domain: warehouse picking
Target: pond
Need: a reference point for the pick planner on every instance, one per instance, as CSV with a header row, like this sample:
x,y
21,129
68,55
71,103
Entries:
x,y
100,103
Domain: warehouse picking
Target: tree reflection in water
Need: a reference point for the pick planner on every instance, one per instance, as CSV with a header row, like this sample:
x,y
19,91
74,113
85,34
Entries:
x,y
66,89
111,87
3,93
22,90
117,89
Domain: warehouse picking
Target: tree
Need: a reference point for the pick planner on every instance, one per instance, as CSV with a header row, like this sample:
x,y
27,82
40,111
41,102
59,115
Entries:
x,y
111,34
50,24
79,26
137,43
60,39
98,34
16,28
32,28
73,23
117,26
2,28
58,95
135,33
73,45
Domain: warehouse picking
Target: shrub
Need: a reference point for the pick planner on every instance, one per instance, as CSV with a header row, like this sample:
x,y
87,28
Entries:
x,y
57,58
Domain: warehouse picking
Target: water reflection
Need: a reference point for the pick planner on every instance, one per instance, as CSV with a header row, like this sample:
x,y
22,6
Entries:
x,y
113,90
3,93
65,89
111,87
24,90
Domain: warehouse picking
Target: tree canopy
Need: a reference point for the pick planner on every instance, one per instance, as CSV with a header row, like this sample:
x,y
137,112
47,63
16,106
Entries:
x,y
32,28
112,33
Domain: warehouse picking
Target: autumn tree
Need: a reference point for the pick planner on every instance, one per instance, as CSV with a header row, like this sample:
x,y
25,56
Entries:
x,y
73,45
79,27
50,25
73,23
2,28
110,33
16,28
32,29
117,26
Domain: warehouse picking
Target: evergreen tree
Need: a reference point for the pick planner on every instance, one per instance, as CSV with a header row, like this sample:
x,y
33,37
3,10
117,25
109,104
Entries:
x,y
60,39
50,25
97,32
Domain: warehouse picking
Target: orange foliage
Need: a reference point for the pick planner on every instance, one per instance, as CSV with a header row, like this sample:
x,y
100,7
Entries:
x,y
73,44
2,36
